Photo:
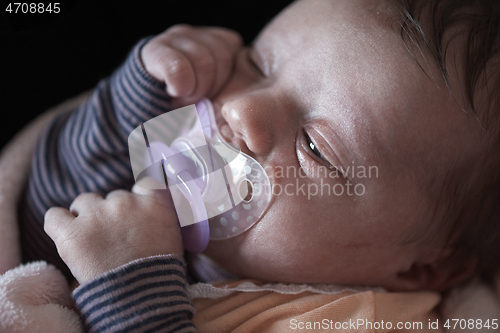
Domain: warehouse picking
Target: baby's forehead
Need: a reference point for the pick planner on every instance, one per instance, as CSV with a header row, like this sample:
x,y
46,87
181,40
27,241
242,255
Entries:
x,y
386,95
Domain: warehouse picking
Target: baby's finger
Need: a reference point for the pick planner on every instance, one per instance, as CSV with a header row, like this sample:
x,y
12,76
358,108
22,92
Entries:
x,y
146,184
203,63
84,202
56,221
231,38
153,188
224,54
170,66
117,193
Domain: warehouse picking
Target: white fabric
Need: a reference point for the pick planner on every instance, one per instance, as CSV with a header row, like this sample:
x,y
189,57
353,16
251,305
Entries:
x,y
36,298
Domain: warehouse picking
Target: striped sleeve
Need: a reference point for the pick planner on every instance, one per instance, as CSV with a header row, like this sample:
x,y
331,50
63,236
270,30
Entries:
x,y
145,295
86,150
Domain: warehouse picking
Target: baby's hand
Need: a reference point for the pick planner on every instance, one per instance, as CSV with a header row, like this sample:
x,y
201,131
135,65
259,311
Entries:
x,y
193,62
98,234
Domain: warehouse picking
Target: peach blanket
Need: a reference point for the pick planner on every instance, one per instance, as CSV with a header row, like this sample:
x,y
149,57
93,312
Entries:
x,y
285,311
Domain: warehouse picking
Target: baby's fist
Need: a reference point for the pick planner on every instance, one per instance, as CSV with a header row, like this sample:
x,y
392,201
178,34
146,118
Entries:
x,y
99,234
193,62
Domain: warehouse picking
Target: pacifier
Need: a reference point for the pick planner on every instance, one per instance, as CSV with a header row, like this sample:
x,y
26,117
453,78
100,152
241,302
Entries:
x,y
218,191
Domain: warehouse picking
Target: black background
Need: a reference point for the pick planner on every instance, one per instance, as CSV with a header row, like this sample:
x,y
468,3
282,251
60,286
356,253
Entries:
x,y
49,58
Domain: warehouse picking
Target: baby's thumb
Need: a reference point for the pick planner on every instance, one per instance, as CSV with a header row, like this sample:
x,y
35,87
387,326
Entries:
x,y
153,188
145,185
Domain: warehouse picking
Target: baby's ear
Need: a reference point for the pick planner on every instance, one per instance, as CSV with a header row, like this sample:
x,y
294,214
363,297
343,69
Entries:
x,y
434,272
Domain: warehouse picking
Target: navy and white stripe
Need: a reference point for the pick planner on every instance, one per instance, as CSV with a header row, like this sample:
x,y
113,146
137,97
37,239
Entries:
x,y
146,295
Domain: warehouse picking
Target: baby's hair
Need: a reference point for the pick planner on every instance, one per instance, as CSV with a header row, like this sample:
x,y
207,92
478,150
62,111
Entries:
x,y
470,194
478,21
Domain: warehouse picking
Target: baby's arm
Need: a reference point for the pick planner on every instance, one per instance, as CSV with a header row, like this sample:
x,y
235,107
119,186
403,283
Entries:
x,y
86,150
126,252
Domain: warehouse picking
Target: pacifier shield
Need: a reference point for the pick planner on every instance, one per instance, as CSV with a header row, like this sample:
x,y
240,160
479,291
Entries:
x,y
209,179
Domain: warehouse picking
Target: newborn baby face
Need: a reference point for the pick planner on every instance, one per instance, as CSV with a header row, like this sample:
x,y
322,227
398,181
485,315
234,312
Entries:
x,y
330,85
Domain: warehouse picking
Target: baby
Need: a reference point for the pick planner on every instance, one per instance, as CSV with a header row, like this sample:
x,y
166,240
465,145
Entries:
x,y
327,84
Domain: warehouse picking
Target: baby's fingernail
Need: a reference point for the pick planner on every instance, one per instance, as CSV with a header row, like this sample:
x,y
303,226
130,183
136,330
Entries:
x,y
171,92
179,91
148,183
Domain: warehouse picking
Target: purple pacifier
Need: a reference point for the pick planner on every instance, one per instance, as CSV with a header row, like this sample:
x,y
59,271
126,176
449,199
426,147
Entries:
x,y
218,191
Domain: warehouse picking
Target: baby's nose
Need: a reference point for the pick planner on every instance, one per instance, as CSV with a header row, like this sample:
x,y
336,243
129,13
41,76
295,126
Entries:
x,y
254,121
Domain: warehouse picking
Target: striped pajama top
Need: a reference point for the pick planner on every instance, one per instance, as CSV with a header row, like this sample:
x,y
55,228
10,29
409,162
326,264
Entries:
x,y
86,150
